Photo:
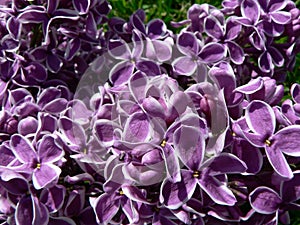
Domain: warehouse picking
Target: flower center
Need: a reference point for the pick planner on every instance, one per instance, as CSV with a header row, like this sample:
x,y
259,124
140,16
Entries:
x,y
38,166
163,143
268,142
121,192
196,174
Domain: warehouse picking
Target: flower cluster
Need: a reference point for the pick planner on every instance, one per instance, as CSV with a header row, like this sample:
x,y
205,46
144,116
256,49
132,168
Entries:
x,y
135,124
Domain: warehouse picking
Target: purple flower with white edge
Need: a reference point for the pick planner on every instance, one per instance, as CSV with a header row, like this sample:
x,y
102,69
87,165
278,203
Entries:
x,y
225,34
261,122
38,161
173,195
196,55
274,16
265,200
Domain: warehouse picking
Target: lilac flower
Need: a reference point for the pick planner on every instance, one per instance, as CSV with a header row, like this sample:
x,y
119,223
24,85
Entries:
x,y
202,174
274,17
260,120
195,55
226,33
41,162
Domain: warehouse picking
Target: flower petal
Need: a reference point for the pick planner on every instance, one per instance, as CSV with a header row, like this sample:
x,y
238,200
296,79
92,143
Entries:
x,y
22,149
225,163
278,161
45,175
213,27
106,206
250,9
260,118
121,73
48,150
291,143
217,191
184,65
173,195
189,145
137,128
187,43
212,52
264,200
236,53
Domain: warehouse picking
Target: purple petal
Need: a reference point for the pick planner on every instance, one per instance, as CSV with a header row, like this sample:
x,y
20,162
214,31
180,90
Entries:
x,y
22,149
265,62
47,96
72,48
153,107
150,68
225,163
82,6
232,29
250,9
189,144
291,143
31,211
56,106
137,23
137,84
277,57
73,132
281,17
14,27
105,130
187,43
264,200
119,50
236,53
260,118
160,50
156,28
35,71
75,203
257,39
173,195
131,210
138,45
137,128
45,175
250,155
276,5
295,91
121,73
278,161
33,16
27,125
53,62
106,206
134,193
49,151
213,27
24,212
13,182
184,65
53,198
217,191
212,52
251,87
290,190
172,163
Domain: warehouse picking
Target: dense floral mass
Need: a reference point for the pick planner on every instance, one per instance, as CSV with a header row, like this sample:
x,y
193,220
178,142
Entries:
x,y
107,121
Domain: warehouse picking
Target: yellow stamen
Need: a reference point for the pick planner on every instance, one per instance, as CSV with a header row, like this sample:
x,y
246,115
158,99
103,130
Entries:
x,y
85,151
196,174
38,166
233,134
163,143
121,192
268,142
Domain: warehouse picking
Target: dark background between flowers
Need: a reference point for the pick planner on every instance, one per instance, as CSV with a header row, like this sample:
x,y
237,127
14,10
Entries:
x,y
175,10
